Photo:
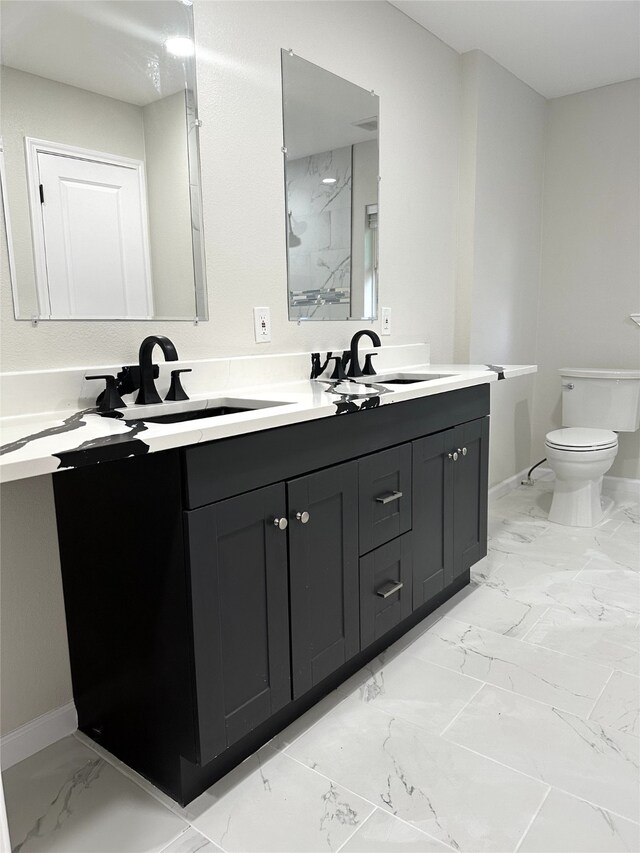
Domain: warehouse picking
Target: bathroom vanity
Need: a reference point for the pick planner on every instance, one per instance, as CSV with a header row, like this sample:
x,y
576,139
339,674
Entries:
x,y
215,592
222,574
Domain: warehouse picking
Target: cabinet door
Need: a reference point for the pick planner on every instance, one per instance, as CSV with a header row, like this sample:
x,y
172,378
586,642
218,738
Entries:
x,y
433,473
323,569
239,601
471,473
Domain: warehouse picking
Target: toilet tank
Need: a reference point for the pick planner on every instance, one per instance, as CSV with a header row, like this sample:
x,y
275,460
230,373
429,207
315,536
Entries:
x,y
601,398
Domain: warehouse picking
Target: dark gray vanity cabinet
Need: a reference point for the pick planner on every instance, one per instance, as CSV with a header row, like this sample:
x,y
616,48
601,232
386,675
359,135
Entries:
x,y
323,570
216,592
239,595
450,482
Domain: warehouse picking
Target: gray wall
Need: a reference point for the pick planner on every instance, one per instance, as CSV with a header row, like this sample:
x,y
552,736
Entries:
x,y
502,170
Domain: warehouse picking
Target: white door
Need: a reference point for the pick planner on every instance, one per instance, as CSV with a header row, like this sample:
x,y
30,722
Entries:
x,y
94,228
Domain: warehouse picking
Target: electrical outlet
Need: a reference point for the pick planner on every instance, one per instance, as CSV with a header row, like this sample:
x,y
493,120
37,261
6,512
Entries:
x,y
385,314
262,325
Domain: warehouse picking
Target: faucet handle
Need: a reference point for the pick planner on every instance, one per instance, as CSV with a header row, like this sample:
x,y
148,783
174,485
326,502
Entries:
x,y
176,391
338,371
368,369
109,399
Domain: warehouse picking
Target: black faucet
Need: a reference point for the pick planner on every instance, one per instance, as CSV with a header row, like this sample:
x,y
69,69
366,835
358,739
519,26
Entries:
x,y
354,364
148,392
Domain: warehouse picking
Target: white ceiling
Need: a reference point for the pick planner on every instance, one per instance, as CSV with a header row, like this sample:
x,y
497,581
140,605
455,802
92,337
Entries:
x,y
558,47
112,47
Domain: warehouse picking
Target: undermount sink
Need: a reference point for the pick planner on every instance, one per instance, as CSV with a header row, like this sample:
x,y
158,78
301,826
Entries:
x,y
403,378
192,410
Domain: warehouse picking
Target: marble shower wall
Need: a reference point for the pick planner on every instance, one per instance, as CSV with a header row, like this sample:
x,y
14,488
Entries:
x,y
319,235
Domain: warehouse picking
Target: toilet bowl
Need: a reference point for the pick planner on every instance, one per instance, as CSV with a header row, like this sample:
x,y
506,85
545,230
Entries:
x,y
579,458
595,402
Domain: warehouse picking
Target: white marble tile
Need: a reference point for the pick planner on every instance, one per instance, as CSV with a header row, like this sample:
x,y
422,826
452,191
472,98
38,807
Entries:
x,y
568,825
580,756
603,635
298,727
515,529
497,611
452,794
413,690
528,581
619,705
272,803
383,833
191,841
601,572
559,548
542,674
627,510
513,571
623,548
67,798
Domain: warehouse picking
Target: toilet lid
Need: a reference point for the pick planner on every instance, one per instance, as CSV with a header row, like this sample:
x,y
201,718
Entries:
x,y
580,438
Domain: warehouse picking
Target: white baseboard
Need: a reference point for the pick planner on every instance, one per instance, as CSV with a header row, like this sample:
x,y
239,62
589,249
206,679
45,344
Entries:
x,y
616,487
35,735
506,486
621,487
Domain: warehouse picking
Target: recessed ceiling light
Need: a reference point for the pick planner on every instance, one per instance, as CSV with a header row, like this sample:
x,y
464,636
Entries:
x,y
329,180
180,46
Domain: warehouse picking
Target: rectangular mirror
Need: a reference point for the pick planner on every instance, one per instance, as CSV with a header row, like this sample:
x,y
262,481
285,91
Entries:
x,y
331,186
99,160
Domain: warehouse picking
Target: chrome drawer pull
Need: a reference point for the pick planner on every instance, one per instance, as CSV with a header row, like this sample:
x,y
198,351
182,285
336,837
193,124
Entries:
x,y
389,588
387,499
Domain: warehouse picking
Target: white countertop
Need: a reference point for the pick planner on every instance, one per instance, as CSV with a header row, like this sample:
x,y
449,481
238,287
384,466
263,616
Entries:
x,y
43,443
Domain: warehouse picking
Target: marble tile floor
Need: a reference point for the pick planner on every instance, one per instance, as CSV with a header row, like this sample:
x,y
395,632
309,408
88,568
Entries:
x,y
507,721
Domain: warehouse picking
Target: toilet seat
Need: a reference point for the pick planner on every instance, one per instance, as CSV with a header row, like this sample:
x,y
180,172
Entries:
x,y
581,440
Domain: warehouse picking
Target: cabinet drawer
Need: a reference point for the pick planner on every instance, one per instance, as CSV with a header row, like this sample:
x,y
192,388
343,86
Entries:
x,y
385,496
385,588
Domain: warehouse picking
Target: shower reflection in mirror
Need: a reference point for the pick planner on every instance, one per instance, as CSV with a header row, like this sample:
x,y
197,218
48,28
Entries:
x,y
331,184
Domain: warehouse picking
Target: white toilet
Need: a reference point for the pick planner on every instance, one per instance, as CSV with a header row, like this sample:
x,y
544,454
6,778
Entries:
x,y
594,404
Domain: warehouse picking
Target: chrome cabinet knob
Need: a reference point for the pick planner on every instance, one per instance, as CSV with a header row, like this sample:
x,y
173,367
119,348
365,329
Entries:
x,y
454,456
280,523
303,517
463,450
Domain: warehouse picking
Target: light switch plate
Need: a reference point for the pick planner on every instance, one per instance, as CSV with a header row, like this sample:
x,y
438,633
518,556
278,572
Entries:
x,y
262,325
385,314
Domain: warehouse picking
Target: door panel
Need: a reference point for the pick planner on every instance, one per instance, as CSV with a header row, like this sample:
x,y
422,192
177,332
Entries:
x,y
323,568
384,496
239,603
432,515
471,473
95,238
